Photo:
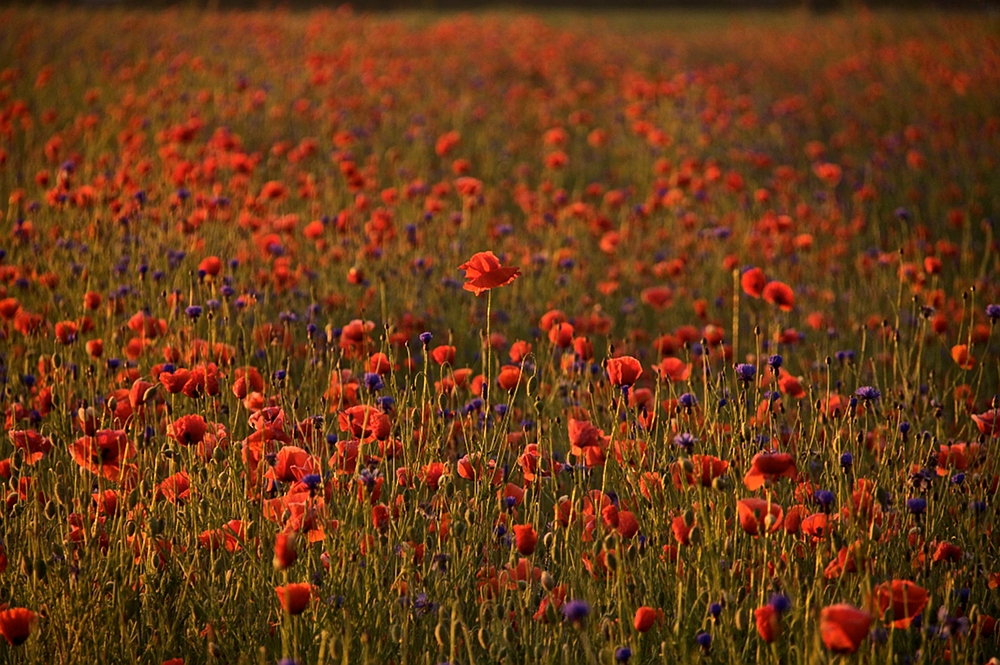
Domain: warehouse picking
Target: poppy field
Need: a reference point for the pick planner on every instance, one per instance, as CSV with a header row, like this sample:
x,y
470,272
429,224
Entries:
x,y
329,337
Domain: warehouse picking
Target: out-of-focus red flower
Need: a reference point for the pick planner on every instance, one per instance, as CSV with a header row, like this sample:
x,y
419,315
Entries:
x,y
843,627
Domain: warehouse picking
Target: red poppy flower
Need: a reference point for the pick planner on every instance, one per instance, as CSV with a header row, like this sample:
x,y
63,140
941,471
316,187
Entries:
x,y
9,307
247,380
471,467
175,489
294,598
519,350
960,354
624,371
174,381
628,525
211,265
484,272
843,627
754,513
706,468
768,622
284,551
443,354
674,369
561,335
105,453
815,525
790,386
947,552
188,430
767,467
365,422
525,539
988,423
657,297
904,598
379,363
753,282
66,332
681,530
31,442
509,378
780,294
644,619
15,625
291,463
432,473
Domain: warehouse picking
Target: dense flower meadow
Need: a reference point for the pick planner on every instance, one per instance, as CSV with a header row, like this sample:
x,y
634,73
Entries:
x,y
330,337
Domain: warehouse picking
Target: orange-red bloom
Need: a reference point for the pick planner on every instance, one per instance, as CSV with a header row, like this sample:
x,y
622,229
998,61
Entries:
x,y
988,423
294,598
755,513
284,551
753,282
780,294
484,272
624,371
768,622
188,430
644,619
365,422
767,467
525,538
15,625
904,598
843,627
960,354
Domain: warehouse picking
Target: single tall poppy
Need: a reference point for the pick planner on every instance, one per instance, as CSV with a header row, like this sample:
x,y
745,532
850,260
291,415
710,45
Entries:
x,y
624,371
484,272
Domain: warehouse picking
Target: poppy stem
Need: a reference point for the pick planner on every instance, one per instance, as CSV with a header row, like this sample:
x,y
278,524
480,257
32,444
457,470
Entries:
x,y
736,313
488,362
